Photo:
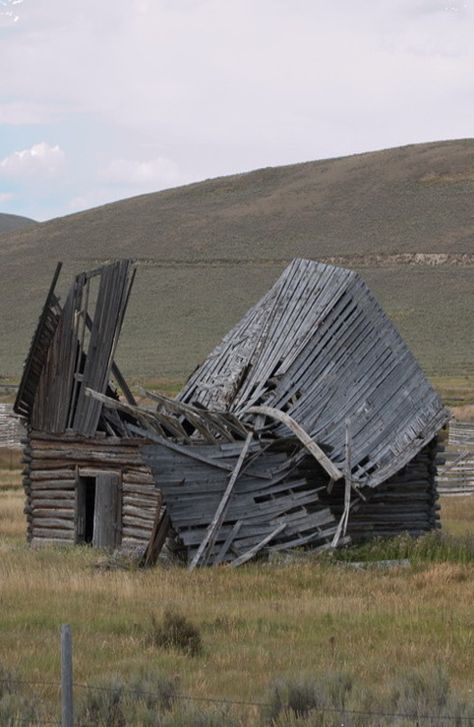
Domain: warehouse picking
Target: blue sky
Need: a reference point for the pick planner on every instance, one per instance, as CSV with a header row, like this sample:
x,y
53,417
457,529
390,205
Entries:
x,y
109,99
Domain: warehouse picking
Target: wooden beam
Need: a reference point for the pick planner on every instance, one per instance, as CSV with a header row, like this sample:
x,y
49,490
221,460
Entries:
x,y
219,515
253,551
333,471
228,542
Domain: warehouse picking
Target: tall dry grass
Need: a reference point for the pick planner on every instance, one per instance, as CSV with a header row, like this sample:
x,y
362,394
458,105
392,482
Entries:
x,y
258,624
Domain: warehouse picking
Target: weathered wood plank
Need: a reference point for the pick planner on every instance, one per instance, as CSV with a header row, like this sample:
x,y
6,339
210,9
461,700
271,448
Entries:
x,y
256,548
217,520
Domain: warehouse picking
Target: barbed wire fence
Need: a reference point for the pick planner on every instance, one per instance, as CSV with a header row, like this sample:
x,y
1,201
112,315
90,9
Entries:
x,y
67,688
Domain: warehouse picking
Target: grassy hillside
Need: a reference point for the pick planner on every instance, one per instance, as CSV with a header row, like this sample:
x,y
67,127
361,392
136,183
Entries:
x,y
10,223
207,251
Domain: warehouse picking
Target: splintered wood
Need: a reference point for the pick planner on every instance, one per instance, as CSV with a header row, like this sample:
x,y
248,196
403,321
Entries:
x,y
310,425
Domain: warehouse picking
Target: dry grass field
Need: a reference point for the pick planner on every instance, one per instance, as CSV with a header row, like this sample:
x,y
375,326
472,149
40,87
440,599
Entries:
x,y
258,623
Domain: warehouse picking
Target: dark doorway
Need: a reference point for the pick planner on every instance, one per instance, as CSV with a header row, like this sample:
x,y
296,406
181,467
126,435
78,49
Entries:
x,y
98,510
85,509
90,505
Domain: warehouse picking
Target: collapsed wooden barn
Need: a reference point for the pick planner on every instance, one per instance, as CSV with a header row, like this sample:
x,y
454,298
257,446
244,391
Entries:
x,y
310,425
84,478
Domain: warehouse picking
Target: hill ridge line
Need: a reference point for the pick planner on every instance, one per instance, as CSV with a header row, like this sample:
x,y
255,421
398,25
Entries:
x,y
436,259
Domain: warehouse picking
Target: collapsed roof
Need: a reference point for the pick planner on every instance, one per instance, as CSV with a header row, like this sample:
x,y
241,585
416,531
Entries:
x,y
309,403
319,348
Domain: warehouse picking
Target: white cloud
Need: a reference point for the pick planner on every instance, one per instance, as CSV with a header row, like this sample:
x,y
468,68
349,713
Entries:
x,y
8,10
154,173
41,159
5,197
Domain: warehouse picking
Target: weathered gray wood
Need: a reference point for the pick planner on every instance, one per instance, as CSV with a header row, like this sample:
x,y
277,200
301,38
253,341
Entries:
x,y
157,537
144,513
66,523
139,533
107,511
107,459
59,488
37,355
316,451
328,348
186,451
53,533
43,511
218,518
227,543
138,477
45,542
314,352
144,492
53,475
67,708
140,502
253,551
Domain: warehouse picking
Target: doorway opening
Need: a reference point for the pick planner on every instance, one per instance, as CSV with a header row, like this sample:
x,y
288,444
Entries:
x,y
98,510
89,507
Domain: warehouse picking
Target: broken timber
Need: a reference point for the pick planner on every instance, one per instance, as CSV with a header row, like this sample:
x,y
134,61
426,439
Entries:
x,y
309,425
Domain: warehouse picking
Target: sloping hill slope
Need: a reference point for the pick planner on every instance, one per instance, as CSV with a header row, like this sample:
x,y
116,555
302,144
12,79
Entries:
x,y
402,217
9,223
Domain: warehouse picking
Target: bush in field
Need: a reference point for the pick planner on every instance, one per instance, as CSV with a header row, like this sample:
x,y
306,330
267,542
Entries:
x,y
429,692
142,701
103,707
15,707
176,632
332,700
300,698
200,717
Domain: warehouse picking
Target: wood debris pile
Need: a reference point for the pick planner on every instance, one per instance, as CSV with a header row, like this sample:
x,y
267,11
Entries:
x,y
310,424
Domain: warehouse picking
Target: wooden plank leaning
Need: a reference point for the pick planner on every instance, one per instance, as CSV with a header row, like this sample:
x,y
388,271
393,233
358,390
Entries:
x,y
228,542
217,520
333,471
342,526
253,551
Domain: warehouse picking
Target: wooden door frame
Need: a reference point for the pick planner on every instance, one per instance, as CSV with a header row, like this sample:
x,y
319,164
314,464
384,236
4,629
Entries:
x,y
97,473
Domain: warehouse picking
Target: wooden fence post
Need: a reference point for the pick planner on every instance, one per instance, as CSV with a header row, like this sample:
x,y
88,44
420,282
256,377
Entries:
x,y
67,710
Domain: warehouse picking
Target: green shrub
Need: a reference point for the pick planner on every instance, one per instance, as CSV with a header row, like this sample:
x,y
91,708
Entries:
x,y
433,547
103,707
15,707
302,697
428,692
418,697
176,632
192,716
142,700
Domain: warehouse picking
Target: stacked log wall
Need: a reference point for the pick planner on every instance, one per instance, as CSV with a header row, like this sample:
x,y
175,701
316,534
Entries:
x,y
406,503
53,464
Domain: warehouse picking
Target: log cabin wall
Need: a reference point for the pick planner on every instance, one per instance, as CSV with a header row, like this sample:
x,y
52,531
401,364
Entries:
x,y
62,470
406,503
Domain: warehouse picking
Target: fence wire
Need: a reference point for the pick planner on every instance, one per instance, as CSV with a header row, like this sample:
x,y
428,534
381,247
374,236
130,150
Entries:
x,y
321,709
